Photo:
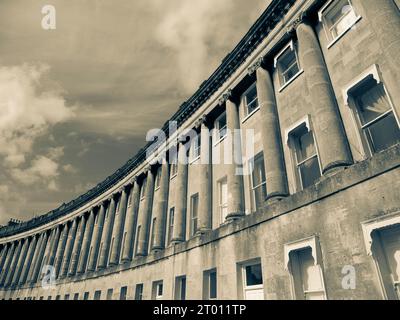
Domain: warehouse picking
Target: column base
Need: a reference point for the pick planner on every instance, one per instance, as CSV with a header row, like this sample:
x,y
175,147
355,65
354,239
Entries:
x,y
234,216
334,167
177,241
202,231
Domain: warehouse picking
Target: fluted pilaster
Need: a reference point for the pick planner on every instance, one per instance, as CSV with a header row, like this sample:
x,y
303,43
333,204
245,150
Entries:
x,y
76,251
7,264
28,261
20,263
61,249
38,267
13,264
68,249
107,234
96,239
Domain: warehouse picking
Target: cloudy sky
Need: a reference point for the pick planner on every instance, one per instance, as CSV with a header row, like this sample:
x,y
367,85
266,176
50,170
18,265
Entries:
x,y
76,102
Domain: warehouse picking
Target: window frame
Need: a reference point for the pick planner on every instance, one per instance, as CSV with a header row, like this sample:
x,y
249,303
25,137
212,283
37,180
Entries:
x,y
222,206
157,179
139,289
264,183
171,224
217,135
371,74
207,284
324,21
195,148
143,186
179,280
194,220
283,83
156,286
246,104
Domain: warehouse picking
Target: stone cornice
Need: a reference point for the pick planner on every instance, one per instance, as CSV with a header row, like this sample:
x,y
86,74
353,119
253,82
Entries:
x,y
259,31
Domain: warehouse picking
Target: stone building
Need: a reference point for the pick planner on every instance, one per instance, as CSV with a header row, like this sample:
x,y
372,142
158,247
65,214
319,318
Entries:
x,y
312,212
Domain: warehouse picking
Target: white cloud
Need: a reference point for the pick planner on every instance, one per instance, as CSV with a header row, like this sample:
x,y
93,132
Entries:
x,y
26,110
70,168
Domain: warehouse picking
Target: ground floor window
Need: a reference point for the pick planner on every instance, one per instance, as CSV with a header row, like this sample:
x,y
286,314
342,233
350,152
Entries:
x,y
109,294
139,292
252,280
97,295
123,293
158,290
210,284
180,288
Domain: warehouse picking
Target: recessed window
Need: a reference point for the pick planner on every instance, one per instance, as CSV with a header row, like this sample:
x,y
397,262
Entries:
x,y
139,291
307,275
58,297
180,288
252,281
375,116
195,148
158,289
171,223
173,169
153,232
223,199
307,167
194,208
288,65
210,284
250,100
66,297
130,198
258,181
123,293
137,238
110,294
338,17
86,296
221,127
97,295
158,178
76,296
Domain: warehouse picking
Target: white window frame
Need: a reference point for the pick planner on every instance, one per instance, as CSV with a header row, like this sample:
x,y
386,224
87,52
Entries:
x,y
372,73
292,47
368,227
157,180
322,18
195,148
178,287
293,158
174,170
171,227
217,137
244,278
192,219
221,206
207,284
246,104
253,187
156,286
310,242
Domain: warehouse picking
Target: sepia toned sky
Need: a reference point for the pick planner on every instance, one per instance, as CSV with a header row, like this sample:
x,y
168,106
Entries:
x,y
76,102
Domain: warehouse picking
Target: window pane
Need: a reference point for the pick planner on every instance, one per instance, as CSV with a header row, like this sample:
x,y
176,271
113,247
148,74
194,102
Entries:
x,y
372,102
251,100
260,193
384,133
221,126
160,289
306,148
310,172
213,285
259,171
253,275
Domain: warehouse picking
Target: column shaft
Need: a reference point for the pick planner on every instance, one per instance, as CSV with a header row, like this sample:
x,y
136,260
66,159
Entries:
x,y
13,264
3,257
327,124
86,243
7,264
118,229
179,234
107,234
274,163
68,249
235,169
35,257
96,239
131,223
61,249
161,208
76,251
145,216
47,251
20,262
41,252
29,260
205,181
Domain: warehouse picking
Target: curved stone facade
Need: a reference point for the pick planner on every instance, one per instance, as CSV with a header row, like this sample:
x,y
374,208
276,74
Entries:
x,y
311,186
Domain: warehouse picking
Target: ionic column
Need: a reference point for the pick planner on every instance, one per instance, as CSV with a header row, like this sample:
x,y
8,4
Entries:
x,y
35,257
41,252
47,252
20,263
384,18
61,249
131,222
29,260
77,246
327,124
107,234
118,228
160,209
145,216
205,179
68,249
179,234
235,169
7,264
96,239
86,243
274,163
13,264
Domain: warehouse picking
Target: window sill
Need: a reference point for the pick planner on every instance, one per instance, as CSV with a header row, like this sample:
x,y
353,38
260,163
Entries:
x,y
219,141
298,74
344,32
173,176
157,188
250,115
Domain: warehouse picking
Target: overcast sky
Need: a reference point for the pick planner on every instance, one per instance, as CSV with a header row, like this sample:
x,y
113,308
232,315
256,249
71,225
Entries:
x,y
76,102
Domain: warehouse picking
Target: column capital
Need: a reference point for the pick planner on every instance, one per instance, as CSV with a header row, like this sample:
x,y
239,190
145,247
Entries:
x,y
202,120
256,65
303,17
225,97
